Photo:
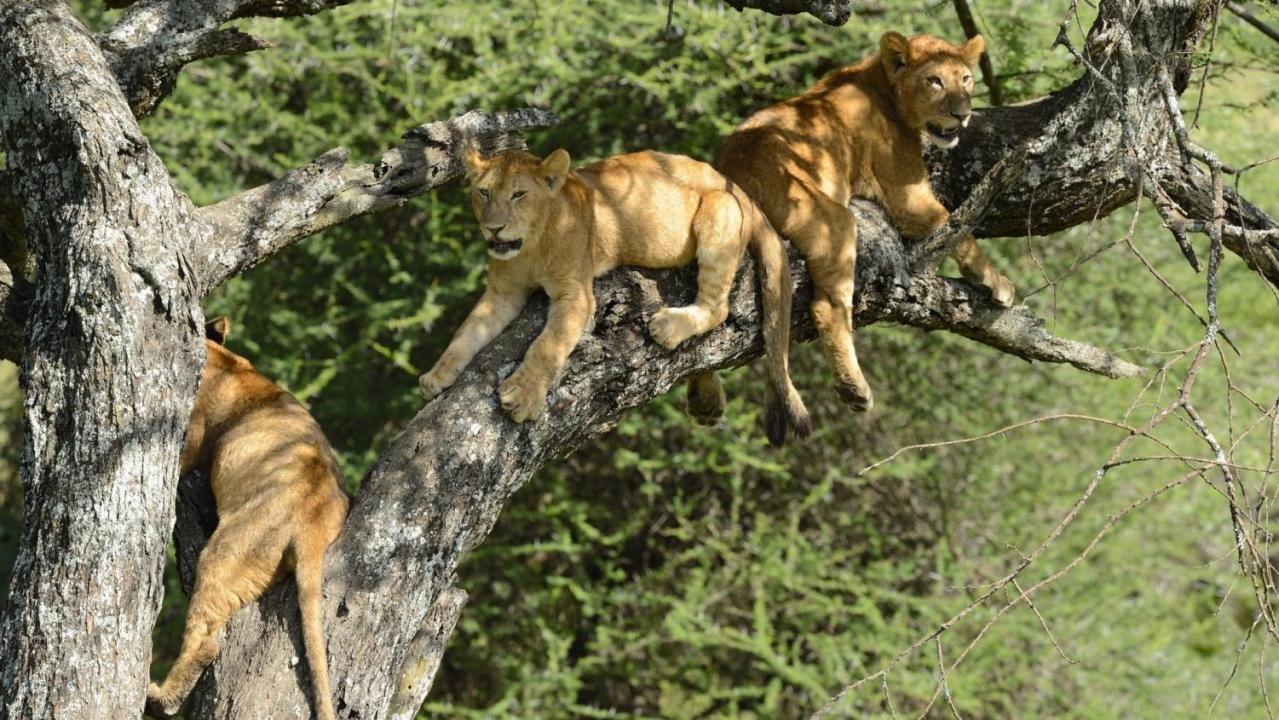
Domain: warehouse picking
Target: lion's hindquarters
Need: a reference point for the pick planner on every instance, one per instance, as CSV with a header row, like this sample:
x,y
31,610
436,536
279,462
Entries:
x,y
235,568
716,231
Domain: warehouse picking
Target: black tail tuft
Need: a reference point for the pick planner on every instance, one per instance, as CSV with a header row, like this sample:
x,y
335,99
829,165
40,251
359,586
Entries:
x,y
803,425
784,412
776,421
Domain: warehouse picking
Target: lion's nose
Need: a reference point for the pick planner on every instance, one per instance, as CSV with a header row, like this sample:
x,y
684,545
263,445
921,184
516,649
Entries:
x,y
960,116
495,229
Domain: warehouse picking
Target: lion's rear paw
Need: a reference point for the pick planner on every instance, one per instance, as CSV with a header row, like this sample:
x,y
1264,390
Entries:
x,y
159,704
706,402
672,326
522,396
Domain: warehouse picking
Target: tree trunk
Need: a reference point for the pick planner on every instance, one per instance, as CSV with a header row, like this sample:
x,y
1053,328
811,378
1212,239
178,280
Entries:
x,y
110,368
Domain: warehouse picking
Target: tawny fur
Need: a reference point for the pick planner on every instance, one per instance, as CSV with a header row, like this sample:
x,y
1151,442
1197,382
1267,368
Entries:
x,y
858,133
280,505
557,229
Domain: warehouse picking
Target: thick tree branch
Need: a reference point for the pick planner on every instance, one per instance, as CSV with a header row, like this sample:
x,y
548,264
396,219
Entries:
x,y
1247,16
155,39
1089,146
425,652
969,24
831,12
928,253
930,302
253,225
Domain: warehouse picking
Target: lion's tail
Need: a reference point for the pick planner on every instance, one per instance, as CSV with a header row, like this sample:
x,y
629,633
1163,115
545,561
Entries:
x,y
783,406
309,574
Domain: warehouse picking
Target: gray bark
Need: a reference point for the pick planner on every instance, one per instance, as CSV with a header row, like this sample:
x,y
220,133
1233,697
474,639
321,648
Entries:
x,y
831,12
110,351
109,370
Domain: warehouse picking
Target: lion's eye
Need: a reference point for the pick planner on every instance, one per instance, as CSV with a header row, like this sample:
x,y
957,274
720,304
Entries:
x,y
517,195
968,79
483,193
934,81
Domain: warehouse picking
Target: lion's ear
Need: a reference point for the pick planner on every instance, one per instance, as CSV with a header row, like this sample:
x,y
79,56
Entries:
x,y
474,161
554,168
971,51
894,49
218,329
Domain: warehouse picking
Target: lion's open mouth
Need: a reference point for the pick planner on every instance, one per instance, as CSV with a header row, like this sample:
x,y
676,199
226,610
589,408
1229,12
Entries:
x,y
937,132
505,247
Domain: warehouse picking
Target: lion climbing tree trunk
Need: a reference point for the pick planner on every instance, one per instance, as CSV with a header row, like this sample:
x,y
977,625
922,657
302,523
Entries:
x,y
109,349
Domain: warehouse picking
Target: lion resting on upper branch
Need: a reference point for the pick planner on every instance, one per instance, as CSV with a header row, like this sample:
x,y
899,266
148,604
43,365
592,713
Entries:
x,y
858,133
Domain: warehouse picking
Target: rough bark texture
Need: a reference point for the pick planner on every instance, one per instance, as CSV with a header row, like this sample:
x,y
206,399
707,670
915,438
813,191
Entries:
x,y
155,39
110,367
831,12
255,224
110,355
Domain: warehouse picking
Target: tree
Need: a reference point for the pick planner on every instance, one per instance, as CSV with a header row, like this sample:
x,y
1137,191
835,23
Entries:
x,y
122,260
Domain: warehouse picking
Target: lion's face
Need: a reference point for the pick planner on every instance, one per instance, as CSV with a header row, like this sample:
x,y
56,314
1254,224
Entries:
x,y
932,83
513,195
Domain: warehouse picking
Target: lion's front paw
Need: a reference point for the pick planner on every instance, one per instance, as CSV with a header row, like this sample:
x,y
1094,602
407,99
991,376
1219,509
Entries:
x,y
672,326
1001,289
522,396
855,392
431,384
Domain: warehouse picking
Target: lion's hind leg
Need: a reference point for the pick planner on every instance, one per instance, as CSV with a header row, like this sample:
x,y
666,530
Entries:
x,y
717,229
826,234
228,577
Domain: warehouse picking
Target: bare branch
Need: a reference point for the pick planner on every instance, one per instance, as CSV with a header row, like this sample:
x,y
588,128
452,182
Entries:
x,y
252,226
148,47
1248,231
1247,16
929,302
831,12
147,73
966,21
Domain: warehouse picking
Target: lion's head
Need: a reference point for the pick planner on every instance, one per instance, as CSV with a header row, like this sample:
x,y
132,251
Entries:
x,y
932,83
513,194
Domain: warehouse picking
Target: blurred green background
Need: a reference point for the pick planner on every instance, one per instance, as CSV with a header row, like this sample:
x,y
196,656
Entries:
x,y
666,570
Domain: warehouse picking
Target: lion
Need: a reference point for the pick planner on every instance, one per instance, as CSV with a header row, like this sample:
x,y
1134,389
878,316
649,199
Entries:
x,y
550,227
858,132
280,505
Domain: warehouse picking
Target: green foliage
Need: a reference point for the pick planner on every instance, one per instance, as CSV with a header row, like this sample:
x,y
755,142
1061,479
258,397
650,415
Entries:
x,y
671,571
